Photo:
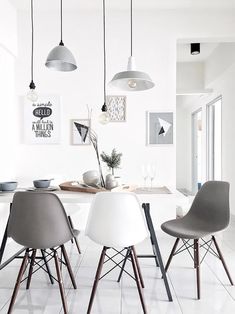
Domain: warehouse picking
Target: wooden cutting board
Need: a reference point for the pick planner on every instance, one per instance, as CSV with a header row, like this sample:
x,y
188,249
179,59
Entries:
x,y
70,186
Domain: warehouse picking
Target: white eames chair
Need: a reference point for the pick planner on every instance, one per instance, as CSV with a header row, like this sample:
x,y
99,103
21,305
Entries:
x,y
116,221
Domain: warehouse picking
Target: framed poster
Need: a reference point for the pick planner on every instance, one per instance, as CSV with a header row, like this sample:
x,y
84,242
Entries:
x,y
80,129
42,120
116,108
159,128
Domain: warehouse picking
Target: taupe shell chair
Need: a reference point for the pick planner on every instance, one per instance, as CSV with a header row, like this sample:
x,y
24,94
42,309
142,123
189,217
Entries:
x,y
38,222
208,214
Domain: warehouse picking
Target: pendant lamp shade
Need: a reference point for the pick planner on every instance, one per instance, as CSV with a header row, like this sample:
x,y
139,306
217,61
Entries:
x,y
131,80
61,58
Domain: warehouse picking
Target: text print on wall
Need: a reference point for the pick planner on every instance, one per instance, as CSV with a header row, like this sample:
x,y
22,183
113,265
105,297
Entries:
x,y
42,127
43,119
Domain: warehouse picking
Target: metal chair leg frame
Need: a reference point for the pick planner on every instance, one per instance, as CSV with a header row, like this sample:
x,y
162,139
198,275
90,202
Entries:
x,y
146,208
137,264
47,267
123,266
17,284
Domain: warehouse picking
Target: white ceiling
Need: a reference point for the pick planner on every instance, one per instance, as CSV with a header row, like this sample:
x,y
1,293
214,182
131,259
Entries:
x,y
123,4
184,55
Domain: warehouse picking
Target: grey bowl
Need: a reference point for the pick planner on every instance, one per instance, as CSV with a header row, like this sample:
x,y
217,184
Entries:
x,y
44,183
8,186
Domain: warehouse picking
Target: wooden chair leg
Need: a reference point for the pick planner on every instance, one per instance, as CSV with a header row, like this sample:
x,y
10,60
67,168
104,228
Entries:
x,y
97,277
17,284
32,260
65,255
222,260
60,282
138,267
171,254
197,265
137,280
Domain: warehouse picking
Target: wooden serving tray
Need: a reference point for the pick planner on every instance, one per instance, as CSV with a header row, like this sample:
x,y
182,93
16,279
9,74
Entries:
x,y
70,186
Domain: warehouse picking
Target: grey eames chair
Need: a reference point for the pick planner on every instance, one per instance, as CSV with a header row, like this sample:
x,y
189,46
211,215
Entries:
x,y
39,222
208,214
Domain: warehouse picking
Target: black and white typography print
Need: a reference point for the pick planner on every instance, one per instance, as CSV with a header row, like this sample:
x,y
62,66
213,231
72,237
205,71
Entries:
x,y
42,120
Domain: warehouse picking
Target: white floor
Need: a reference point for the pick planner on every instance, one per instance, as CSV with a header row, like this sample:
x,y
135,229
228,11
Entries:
x,y
218,296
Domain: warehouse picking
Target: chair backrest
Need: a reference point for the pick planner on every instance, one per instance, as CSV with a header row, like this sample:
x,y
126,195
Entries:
x,y
38,220
211,205
116,220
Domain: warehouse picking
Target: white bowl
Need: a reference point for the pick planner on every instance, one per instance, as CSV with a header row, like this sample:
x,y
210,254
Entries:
x,y
91,177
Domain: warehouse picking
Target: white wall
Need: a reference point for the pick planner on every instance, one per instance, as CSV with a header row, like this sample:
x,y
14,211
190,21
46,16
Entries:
x,y
8,51
189,77
83,35
155,36
8,129
220,77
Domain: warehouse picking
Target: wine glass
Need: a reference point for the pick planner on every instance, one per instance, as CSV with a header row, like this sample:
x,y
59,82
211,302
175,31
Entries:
x,y
145,174
152,173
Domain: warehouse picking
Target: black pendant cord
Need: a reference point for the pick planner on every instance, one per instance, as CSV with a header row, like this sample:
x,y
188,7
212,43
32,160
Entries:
x,y
131,20
104,107
61,23
32,85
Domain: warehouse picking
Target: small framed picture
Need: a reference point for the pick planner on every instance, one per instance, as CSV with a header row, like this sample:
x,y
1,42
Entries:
x,y
116,108
80,132
159,128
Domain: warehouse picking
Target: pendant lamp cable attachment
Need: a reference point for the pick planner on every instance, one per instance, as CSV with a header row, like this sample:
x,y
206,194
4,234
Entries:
x,y
32,85
131,20
104,116
104,53
61,23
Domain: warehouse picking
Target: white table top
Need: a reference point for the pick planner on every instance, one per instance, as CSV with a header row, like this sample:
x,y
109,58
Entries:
x,y
68,197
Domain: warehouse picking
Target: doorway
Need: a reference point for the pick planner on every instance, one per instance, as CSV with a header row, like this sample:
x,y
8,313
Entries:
x,y
196,150
214,139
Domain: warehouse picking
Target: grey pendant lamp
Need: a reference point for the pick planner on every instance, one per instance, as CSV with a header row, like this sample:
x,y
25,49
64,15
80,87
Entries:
x,y
61,58
32,95
131,80
104,116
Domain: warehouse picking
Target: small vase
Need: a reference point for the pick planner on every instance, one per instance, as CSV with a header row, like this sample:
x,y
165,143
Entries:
x,y
110,182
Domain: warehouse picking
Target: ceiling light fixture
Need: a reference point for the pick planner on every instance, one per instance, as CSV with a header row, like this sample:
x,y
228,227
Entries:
x,y
32,95
131,80
61,58
195,49
104,116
